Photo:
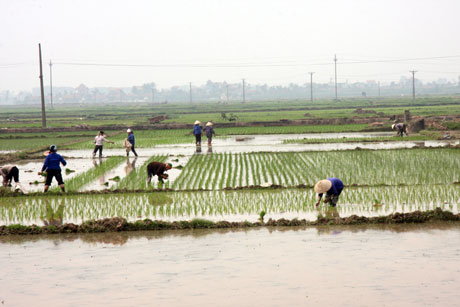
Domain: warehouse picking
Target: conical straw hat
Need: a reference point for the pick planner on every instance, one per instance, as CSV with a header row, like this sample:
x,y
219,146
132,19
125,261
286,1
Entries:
x,y
323,186
197,122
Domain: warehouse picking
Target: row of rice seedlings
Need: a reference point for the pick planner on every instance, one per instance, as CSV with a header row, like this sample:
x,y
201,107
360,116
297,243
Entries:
x,y
236,205
391,167
137,179
79,181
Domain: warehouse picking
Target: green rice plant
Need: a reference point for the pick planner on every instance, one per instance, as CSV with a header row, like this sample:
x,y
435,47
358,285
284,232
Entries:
x,y
383,167
79,181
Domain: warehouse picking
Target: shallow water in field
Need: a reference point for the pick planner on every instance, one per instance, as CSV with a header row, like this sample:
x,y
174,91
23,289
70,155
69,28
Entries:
x,y
269,143
28,172
401,265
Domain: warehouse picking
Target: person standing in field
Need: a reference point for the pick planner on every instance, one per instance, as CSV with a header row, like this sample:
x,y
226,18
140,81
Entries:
x,y
9,173
132,142
209,131
52,168
332,187
99,143
197,132
402,128
157,169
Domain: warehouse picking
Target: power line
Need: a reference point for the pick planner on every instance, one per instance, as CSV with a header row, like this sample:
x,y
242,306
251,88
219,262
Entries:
x,y
253,64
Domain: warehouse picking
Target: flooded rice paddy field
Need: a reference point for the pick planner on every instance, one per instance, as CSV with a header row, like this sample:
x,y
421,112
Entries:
x,y
220,171
398,265
225,205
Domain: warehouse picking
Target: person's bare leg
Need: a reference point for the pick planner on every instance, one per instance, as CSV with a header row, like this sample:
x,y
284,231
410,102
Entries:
x,y
62,187
46,188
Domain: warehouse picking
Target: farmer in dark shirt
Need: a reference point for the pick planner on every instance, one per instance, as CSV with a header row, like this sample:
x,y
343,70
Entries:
x,y
332,187
197,132
52,168
9,173
209,131
158,169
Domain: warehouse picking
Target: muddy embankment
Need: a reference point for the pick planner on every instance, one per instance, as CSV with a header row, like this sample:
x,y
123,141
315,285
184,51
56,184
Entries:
x,y
377,123
165,126
117,224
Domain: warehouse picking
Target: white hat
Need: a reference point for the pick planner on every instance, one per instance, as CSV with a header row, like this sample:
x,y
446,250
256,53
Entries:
x,y
129,130
197,122
393,126
208,124
323,186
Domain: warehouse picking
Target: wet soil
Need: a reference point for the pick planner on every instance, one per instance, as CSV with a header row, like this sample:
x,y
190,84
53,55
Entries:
x,y
120,224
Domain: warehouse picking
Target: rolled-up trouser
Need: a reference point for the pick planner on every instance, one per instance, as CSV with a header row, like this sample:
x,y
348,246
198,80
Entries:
x,y
132,149
53,173
96,149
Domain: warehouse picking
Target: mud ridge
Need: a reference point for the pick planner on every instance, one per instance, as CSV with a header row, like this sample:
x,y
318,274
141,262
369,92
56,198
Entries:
x,y
117,224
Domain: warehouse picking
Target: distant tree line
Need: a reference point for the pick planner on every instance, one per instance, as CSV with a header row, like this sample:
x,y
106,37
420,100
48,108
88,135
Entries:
x,y
222,92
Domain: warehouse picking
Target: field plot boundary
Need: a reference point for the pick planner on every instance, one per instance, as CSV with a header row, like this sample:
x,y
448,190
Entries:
x,y
118,224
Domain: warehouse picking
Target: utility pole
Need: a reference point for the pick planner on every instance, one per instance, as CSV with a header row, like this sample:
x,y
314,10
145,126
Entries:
x,y
379,87
335,65
41,87
190,84
413,83
227,92
51,84
153,95
311,86
244,94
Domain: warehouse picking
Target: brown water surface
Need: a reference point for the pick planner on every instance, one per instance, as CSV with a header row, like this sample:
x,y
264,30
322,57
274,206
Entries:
x,y
403,265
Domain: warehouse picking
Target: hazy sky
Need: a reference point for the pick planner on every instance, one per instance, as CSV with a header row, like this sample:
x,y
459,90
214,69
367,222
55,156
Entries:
x,y
273,42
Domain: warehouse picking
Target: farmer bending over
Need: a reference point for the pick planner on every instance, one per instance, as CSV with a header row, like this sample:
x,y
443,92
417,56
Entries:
x,y
9,172
52,168
402,128
332,187
158,169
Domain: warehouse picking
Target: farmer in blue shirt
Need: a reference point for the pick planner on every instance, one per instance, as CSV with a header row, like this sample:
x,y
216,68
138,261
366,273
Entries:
x,y
52,168
131,141
197,132
332,187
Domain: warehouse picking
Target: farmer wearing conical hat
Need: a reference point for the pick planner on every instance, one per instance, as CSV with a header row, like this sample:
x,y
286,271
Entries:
x,y
197,132
209,131
332,187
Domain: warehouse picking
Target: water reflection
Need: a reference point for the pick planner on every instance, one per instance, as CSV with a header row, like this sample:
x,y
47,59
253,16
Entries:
x,y
120,238
53,217
198,149
209,149
97,162
130,166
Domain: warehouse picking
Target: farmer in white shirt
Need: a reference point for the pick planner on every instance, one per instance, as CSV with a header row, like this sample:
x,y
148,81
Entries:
x,y
99,143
